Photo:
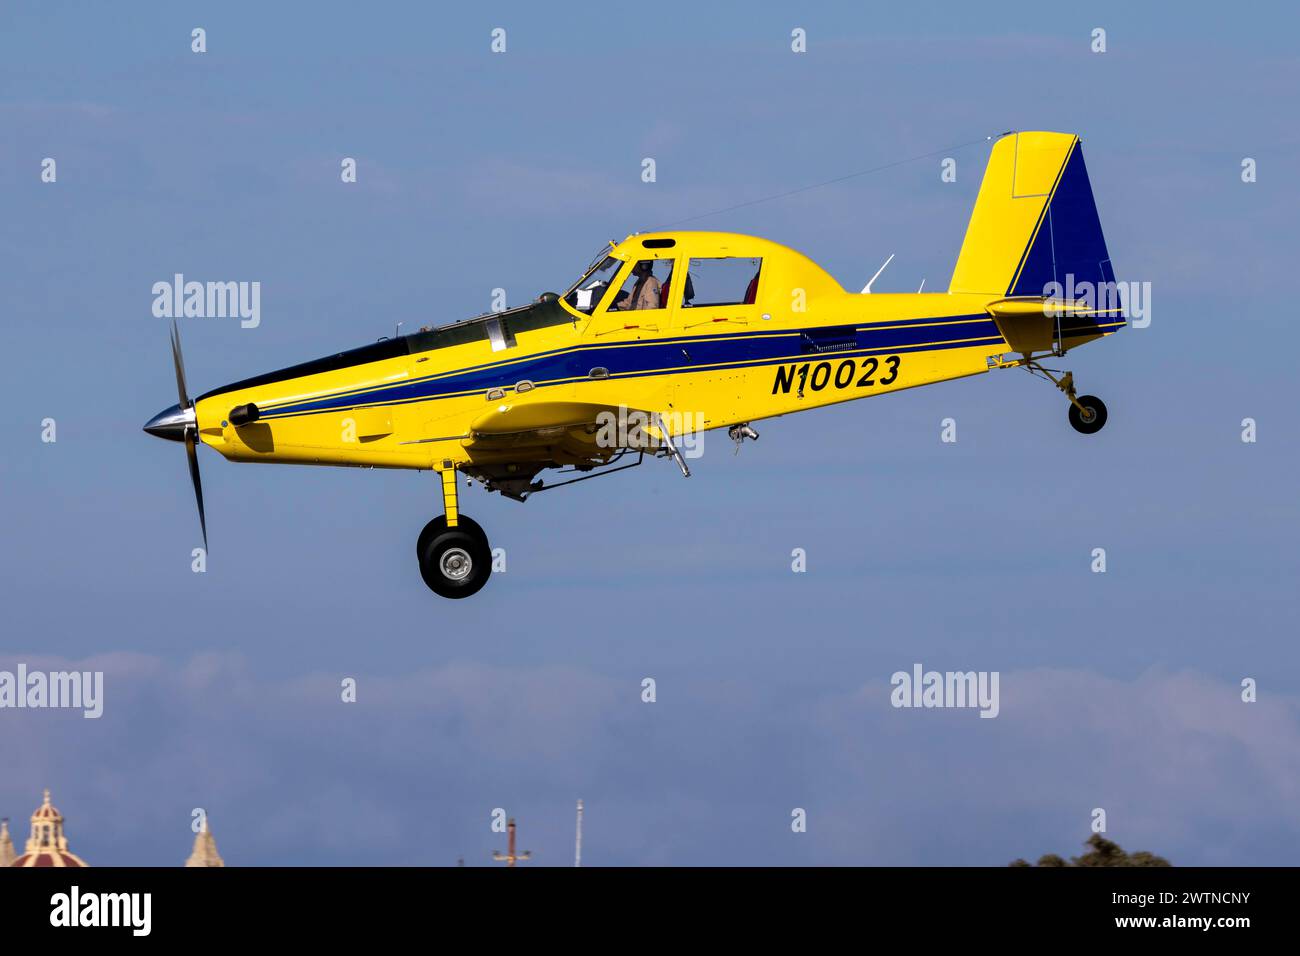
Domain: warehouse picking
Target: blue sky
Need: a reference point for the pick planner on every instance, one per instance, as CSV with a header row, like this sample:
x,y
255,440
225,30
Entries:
x,y
479,171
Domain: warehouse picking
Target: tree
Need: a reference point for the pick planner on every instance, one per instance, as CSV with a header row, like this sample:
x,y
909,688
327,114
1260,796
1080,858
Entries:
x,y
1102,852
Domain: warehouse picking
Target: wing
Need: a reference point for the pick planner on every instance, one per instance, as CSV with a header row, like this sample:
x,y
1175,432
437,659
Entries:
x,y
584,429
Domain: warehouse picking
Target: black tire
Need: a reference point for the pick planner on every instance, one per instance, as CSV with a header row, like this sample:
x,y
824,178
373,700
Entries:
x,y
457,562
439,525
1092,423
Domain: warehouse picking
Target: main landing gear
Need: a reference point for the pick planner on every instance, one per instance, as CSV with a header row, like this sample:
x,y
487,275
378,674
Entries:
x,y
1087,412
455,559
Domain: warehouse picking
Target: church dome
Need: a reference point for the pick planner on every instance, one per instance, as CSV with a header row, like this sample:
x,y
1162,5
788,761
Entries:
x,y
47,846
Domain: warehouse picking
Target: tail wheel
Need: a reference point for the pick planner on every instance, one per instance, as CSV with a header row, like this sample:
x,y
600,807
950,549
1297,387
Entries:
x,y
1091,417
455,562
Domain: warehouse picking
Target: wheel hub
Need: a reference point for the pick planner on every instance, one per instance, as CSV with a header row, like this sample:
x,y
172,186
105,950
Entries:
x,y
1087,415
455,564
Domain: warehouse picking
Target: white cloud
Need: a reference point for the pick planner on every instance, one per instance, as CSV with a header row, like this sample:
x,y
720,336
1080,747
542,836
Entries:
x,y
708,774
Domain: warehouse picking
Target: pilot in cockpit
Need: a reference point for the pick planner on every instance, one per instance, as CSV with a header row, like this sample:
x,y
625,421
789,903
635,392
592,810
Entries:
x,y
645,293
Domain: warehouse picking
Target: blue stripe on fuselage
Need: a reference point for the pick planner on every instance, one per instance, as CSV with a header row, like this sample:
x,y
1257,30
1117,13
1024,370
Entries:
x,y
681,355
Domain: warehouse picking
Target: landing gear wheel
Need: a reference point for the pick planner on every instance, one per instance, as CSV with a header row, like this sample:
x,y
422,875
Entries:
x,y
437,526
455,562
1091,418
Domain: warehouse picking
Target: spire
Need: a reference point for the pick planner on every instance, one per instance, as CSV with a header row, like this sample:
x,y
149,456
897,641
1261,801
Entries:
x,y
6,844
510,856
205,848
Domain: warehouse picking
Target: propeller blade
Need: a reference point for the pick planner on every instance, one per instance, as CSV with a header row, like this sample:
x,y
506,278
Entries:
x,y
191,453
179,362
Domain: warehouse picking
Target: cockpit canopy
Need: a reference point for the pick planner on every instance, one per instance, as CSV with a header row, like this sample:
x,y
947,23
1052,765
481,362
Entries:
x,y
588,292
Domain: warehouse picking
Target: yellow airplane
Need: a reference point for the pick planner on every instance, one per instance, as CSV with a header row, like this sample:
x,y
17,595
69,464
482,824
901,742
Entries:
x,y
670,333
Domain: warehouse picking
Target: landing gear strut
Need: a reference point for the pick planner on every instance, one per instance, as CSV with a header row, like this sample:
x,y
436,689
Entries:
x,y
1087,412
455,559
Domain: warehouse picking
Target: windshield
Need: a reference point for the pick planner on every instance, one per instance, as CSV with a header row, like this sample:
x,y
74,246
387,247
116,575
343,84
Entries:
x,y
587,292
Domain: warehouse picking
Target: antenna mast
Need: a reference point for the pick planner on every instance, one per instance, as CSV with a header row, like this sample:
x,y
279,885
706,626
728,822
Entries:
x,y
577,845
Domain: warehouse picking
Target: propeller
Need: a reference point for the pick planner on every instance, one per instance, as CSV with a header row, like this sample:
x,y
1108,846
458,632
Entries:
x,y
192,454
191,434
180,423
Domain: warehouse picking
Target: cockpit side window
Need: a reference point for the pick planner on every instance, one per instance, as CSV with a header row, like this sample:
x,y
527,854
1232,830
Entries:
x,y
730,280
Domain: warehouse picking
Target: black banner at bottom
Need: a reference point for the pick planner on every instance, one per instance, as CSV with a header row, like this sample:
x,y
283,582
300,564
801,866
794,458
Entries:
x,y
557,905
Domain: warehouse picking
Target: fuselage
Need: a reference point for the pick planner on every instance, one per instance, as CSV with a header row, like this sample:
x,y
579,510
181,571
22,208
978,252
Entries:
x,y
795,340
